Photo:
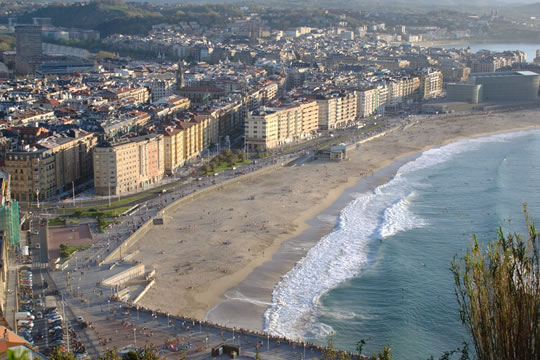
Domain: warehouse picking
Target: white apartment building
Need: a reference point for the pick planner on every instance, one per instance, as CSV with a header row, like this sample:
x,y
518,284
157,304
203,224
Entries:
x,y
368,102
268,128
162,88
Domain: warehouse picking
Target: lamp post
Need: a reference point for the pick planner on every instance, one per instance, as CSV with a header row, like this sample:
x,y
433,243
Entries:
x,y
135,336
73,191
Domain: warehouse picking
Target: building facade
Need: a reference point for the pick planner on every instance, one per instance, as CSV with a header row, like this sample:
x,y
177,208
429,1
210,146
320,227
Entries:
x,y
129,164
29,50
50,166
270,128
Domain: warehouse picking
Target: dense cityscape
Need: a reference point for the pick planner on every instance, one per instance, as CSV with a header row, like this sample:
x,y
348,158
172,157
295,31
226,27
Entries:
x,y
154,156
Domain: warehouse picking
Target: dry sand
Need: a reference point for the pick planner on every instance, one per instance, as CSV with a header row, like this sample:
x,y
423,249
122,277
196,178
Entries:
x,y
212,244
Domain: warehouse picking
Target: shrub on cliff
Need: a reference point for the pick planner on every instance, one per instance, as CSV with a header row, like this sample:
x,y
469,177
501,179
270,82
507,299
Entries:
x,y
498,292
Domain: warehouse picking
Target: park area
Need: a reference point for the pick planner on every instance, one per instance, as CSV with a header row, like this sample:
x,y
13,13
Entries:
x,y
73,237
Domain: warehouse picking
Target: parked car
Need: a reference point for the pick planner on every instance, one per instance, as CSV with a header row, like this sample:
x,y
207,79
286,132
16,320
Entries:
x,y
50,309
55,318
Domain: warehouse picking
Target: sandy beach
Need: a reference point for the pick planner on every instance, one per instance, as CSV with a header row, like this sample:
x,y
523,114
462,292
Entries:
x,y
215,243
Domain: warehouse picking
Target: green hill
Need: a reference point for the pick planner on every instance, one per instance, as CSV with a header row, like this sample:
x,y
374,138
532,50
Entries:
x,y
106,16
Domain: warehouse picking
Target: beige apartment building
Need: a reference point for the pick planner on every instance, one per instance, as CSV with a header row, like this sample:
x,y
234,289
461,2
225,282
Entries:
x,y
51,166
269,128
431,84
185,141
129,164
337,109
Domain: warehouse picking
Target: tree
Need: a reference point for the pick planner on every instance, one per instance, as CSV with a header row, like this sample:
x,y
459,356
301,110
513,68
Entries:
x,y
329,352
58,354
18,353
257,355
110,354
205,168
226,153
384,354
147,353
360,346
240,155
498,292
232,160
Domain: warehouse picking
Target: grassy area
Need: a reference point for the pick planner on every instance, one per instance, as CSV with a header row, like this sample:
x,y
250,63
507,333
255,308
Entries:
x,y
66,251
57,222
104,207
103,224
226,166
107,213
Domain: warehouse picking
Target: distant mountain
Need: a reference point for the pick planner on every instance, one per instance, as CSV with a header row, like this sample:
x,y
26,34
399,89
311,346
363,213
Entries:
x,y
105,17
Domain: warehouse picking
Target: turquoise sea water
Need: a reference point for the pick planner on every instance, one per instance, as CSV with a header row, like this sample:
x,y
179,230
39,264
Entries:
x,y
384,273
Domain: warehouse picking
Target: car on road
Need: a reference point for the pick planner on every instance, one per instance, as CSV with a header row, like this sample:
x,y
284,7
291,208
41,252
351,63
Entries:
x,y
39,303
39,315
38,246
80,319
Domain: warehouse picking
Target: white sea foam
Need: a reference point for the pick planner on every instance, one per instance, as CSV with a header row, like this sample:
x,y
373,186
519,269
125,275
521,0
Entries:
x,y
342,254
398,218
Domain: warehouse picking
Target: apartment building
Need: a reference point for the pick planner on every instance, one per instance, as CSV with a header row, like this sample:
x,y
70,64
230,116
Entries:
x,y
174,141
337,109
368,102
431,84
162,88
50,166
128,164
269,128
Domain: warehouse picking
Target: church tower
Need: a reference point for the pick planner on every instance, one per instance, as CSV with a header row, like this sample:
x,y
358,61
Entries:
x,y
179,77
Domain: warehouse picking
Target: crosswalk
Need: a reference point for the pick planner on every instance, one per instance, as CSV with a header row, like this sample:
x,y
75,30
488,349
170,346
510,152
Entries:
x,y
40,265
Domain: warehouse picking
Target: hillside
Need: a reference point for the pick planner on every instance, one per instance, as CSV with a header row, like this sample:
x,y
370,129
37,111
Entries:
x,y
115,16
106,16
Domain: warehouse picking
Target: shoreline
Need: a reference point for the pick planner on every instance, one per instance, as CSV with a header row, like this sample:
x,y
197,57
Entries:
x,y
274,228
249,306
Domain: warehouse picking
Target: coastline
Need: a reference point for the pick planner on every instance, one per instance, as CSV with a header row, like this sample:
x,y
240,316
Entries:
x,y
279,218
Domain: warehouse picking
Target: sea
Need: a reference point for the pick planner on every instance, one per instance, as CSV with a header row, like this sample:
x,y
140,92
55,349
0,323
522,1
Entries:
x,y
528,49
383,274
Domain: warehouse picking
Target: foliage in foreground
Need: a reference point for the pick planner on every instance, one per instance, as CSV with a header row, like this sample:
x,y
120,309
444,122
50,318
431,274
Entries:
x,y
498,292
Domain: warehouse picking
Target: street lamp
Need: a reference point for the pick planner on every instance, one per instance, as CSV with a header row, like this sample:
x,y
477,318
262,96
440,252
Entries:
x,y
135,336
73,190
